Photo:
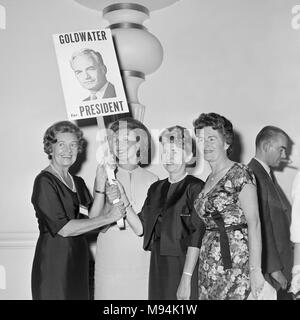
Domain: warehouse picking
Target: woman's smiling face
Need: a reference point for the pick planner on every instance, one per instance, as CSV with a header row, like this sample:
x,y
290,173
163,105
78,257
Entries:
x,y
213,143
65,150
126,146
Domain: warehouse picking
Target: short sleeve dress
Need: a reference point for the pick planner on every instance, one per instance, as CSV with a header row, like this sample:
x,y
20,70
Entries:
x,y
224,255
60,265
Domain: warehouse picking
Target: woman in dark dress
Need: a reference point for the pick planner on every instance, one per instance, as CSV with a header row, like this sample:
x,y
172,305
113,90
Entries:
x,y
169,222
60,266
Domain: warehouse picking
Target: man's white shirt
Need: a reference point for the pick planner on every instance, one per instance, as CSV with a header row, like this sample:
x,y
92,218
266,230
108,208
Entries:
x,y
99,94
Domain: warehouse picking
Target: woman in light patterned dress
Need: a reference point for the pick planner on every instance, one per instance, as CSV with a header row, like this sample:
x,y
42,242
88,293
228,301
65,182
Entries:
x,y
230,256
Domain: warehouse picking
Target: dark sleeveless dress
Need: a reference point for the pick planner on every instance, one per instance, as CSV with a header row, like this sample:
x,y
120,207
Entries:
x,y
60,265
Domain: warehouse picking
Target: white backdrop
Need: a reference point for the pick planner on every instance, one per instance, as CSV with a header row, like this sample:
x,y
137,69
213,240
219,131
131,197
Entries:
x,y
237,58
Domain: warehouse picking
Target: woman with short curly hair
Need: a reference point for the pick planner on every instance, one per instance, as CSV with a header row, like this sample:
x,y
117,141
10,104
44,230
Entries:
x,y
60,266
60,127
230,255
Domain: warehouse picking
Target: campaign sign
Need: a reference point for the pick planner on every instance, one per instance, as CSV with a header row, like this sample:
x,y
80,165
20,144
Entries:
x,y
90,74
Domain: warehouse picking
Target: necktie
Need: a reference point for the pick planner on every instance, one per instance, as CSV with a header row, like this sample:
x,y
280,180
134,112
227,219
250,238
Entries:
x,y
93,96
273,177
283,200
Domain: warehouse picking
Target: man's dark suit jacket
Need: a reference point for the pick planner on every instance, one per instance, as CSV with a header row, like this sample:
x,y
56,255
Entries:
x,y
274,211
110,92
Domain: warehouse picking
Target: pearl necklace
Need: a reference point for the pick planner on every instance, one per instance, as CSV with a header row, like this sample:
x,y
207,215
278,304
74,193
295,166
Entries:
x,y
63,181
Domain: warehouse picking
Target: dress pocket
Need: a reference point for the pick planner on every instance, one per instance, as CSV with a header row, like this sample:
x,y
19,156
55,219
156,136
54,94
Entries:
x,y
185,212
184,223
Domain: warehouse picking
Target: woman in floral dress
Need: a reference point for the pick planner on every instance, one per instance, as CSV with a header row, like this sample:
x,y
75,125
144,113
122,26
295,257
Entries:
x,y
230,256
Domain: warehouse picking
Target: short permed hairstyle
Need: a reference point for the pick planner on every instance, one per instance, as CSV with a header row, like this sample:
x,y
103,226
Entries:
x,y
143,135
268,133
61,127
219,123
180,135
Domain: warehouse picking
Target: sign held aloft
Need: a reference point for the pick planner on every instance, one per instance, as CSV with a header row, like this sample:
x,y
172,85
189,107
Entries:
x,y
90,74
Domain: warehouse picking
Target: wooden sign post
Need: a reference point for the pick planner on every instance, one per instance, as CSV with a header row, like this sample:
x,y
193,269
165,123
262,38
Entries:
x,y
107,159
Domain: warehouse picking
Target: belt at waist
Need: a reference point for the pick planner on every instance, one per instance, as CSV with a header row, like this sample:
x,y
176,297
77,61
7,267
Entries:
x,y
224,242
230,228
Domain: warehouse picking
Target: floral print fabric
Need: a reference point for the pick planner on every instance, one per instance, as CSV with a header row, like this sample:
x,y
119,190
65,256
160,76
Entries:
x,y
216,283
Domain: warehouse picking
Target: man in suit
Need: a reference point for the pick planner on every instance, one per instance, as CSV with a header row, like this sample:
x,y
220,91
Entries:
x,y
90,71
274,208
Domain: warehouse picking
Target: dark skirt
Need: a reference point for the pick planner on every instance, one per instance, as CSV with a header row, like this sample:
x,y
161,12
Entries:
x,y
165,275
60,268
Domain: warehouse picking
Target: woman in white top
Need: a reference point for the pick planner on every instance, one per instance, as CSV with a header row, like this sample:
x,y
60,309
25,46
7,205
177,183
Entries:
x,y
121,267
295,236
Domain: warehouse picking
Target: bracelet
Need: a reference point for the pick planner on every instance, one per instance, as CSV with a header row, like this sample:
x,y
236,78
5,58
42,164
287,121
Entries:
x,y
187,273
101,192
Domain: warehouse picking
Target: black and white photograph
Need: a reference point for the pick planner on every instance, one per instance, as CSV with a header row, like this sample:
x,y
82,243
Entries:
x,y
150,153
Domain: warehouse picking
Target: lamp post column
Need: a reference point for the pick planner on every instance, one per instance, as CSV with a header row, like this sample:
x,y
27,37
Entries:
x,y
139,52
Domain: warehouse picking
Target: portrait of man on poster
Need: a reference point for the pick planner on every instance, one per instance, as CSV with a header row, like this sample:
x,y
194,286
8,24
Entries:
x,y
90,71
